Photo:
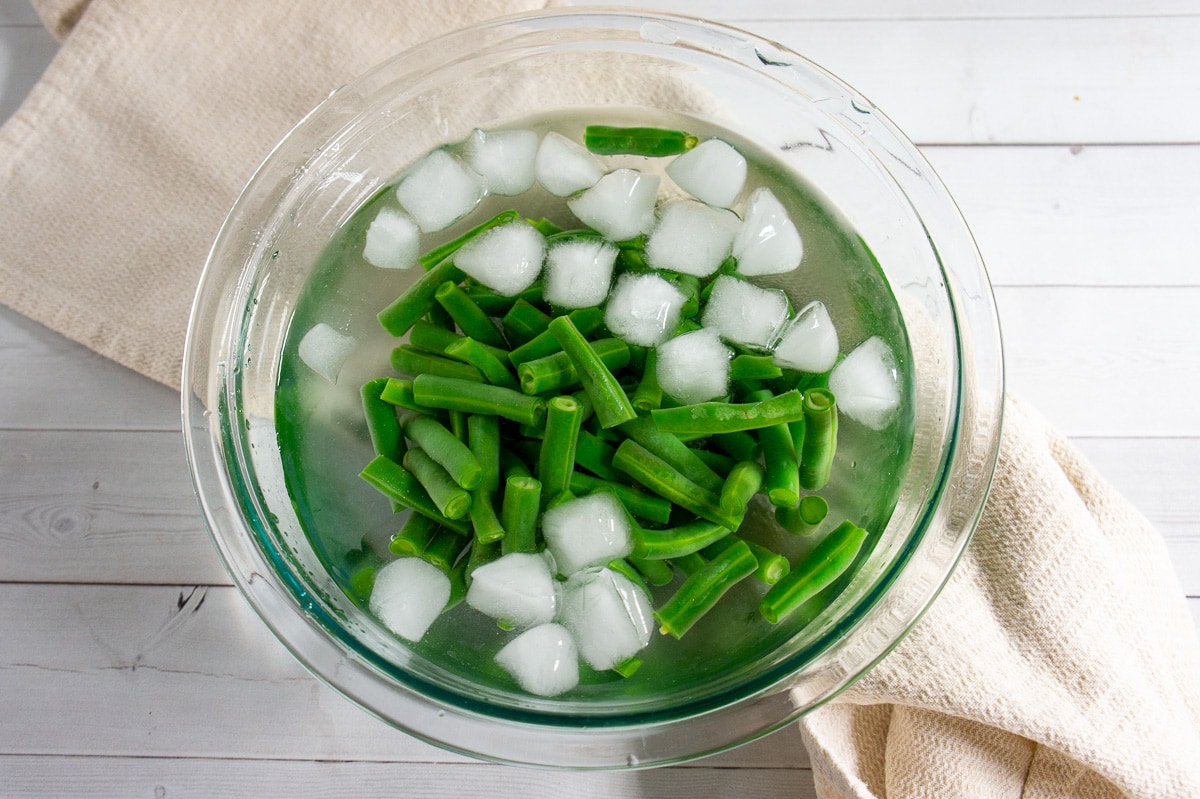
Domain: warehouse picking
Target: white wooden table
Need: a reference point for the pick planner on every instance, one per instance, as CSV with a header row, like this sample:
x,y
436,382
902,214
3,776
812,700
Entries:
x,y
1068,131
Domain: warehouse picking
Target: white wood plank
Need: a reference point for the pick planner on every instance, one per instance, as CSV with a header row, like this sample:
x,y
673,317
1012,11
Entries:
x,y
1105,361
1068,215
1158,475
911,9
63,385
119,778
162,671
101,507
25,50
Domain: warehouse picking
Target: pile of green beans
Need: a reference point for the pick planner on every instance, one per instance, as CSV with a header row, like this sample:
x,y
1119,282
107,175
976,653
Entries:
x,y
502,407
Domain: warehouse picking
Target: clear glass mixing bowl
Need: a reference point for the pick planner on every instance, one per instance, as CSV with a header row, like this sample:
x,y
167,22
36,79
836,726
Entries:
x,y
356,142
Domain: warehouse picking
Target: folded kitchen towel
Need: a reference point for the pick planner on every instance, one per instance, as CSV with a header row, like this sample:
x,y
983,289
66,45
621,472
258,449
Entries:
x,y
1059,661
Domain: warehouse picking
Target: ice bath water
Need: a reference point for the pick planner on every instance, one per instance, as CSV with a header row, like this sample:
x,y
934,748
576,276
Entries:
x,y
324,444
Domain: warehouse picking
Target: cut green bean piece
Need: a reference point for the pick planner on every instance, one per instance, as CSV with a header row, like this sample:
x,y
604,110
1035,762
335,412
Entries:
x,y
689,286
444,549
717,461
828,561
438,317
519,513
451,499
482,553
753,367
595,455
483,439
611,404
740,446
523,323
771,565
414,303
559,371
655,572
483,518
513,465
660,477
628,667
805,517
782,479
743,481
409,360
648,394
675,542
498,305
471,320
427,336
652,142
726,417
458,582
587,320
400,393
469,397
668,447
645,506
704,587
394,481
545,226
445,448
556,461
444,251
415,534
820,438
383,426
362,581
690,563
494,371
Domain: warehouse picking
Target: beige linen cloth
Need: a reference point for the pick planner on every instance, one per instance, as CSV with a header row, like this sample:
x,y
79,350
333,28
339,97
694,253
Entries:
x,y
1059,661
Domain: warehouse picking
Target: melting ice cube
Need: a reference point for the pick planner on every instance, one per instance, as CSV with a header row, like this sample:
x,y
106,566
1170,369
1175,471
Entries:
x,y
564,167
393,240
768,242
693,367
712,172
586,532
506,259
439,190
543,660
610,617
408,595
324,350
620,206
517,588
691,238
809,342
744,313
504,158
643,309
866,384
579,272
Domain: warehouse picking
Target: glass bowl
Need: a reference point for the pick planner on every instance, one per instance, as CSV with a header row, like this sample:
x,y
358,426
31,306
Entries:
x,y
808,124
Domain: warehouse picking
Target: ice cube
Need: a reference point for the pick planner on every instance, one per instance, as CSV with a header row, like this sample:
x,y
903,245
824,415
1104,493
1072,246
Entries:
x,y
809,342
643,309
712,172
324,350
610,617
506,259
866,384
504,158
620,205
564,167
693,367
408,596
517,588
543,660
439,190
393,240
744,313
768,242
578,272
586,532
691,238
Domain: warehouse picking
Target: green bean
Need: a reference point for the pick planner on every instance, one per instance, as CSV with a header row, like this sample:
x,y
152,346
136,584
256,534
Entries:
x,y
595,455
718,462
545,226
588,320
482,553
828,560
690,563
805,517
675,542
498,305
654,142
556,460
519,513
725,417
458,424
445,448
668,447
438,317
458,581
451,499
753,367
628,667
638,503
444,549
444,251
637,363
627,570
771,565
409,360
494,371
632,260
433,338
400,393
648,394
689,286
612,406
660,477
483,439
414,303
463,395
820,438
558,371
471,320
742,482
415,534
394,481
523,323
704,588
739,446
656,572
362,581
782,478
511,465
383,426
483,518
